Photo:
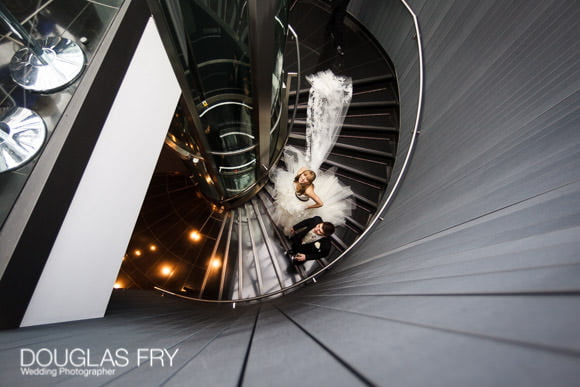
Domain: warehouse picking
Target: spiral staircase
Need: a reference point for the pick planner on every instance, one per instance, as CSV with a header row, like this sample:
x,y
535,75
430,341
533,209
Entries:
x,y
186,246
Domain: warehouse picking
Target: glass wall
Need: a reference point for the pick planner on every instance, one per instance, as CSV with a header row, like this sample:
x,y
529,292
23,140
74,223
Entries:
x,y
66,35
213,43
212,39
279,104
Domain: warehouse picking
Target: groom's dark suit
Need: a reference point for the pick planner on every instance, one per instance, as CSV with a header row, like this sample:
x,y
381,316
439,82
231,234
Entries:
x,y
315,250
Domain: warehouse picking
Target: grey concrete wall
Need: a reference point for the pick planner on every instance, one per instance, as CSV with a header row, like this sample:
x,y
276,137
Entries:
x,y
473,277
499,124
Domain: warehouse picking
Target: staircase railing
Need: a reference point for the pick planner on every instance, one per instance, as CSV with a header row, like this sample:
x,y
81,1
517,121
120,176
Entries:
x,y
386,202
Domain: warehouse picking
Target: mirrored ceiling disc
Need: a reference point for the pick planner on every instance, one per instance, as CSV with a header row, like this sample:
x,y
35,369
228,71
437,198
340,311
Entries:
x,y
63,63
22,134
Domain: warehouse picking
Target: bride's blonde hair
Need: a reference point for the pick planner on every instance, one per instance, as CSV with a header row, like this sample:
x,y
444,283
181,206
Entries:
x,y
310,176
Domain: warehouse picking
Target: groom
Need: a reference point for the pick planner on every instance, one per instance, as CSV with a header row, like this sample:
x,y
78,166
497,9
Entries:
x,y
310,240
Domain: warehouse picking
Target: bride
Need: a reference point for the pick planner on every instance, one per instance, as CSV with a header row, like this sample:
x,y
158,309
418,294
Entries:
x,y
302,189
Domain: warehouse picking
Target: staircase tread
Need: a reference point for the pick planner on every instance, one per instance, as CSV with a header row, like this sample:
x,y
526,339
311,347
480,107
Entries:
x,y
349,147
356,126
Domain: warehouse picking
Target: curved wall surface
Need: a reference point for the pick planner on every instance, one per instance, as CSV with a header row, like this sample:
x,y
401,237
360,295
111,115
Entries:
x,y
473,277
474,274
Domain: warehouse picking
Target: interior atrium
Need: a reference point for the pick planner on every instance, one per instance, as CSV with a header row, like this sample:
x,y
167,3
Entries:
x,y
140,236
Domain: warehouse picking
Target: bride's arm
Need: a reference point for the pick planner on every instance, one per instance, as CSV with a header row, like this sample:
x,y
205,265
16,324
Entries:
x,y
310,192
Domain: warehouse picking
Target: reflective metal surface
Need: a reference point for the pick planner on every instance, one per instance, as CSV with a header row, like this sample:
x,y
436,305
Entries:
x,y
85,22
22,134
63,63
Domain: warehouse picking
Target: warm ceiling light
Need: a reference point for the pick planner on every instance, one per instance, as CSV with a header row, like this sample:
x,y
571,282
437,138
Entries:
x,y
152,247
117,285
217,209
216,263
165,270
138,252
195,236
208,179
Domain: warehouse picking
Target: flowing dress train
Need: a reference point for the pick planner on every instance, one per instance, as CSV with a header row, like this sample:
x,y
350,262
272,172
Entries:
x,y
328,102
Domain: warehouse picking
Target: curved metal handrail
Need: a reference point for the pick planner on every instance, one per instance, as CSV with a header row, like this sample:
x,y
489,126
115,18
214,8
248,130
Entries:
x,y
237,133
377,216
253,161
234,152
220,61
409,151
225,103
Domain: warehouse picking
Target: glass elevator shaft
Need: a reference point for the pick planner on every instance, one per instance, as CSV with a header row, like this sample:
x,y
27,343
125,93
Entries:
x,y
229,58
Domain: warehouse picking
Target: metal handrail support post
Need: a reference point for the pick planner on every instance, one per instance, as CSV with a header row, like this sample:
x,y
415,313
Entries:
x,y
268,243
215,247
226,257
280,235
254,254
240,255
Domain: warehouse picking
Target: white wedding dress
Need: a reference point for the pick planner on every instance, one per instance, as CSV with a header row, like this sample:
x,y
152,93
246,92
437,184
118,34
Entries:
x,y
328,102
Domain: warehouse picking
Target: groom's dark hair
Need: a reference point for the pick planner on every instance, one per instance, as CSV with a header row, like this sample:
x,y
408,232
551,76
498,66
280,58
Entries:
x,y
328,228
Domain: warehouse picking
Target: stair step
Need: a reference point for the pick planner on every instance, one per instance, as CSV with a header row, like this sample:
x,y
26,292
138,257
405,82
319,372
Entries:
x,y
356,83
386,117
269,244
358,172
353,148
375,165
372,204
337,241
332,161
259,251
361,105
250,258
375,92
369,128
375,79
359,226
282,238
